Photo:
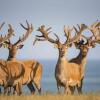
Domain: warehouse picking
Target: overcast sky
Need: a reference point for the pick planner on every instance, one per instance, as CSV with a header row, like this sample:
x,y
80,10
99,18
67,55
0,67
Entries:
x,y
55,13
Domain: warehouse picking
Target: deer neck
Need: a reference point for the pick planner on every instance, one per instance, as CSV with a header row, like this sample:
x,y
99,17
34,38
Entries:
x,y
83,61
61,67
12,54
82,58
62,56
61,60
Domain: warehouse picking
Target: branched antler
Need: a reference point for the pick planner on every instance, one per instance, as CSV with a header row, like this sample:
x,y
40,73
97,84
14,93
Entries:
x,y
45,35
9,34
2,25
67,31
81,28
28,29
95,29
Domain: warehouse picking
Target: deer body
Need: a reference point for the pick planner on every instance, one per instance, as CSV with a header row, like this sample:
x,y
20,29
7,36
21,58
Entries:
x,y
81,61
67,74
33,73
14,72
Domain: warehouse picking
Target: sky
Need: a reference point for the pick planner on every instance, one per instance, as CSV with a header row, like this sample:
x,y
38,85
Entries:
x,y
54,13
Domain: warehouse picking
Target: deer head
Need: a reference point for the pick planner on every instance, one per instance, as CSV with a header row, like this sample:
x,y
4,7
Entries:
x,y
82,46
13,47
61,46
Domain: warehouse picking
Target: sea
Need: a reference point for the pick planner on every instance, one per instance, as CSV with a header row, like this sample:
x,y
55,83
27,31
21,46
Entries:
x,y
91,83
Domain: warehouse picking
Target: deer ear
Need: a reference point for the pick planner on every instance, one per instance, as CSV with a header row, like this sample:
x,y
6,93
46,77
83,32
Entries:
x,y
55,46
20,46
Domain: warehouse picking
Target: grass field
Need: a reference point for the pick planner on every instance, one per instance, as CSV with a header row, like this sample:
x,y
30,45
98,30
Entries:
x,y
52,97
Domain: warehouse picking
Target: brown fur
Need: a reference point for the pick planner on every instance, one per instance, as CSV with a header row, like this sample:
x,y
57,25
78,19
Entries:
x,y
33,73
14,72
67,74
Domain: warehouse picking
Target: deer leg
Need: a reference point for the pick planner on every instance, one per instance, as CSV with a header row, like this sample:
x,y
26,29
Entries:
x,y
79,88
5,90
0,90
72,89
31,87
9,90
58,87
14,90
18,89
38,86
67,89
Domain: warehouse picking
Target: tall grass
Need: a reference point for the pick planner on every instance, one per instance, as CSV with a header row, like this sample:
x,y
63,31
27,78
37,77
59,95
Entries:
x,y
52,97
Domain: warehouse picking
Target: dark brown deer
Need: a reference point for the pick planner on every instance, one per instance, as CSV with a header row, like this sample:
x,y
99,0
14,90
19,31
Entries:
x,y
33,69
67,74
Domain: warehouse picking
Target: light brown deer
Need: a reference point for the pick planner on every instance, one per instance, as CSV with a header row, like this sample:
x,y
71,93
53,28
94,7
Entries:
x,y
81,59
67,74
5,76
33,69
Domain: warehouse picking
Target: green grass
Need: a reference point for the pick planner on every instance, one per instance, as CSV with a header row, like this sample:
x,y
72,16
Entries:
x,y
52,97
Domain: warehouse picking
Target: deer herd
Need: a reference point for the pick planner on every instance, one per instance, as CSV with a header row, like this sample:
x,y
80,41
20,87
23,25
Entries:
x,y
68,73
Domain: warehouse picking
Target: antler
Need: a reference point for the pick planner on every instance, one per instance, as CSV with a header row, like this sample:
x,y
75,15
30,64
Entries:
x,y
28,29
89,40
2,25
44,36
95,29
67,31
78,31
9,34
81,28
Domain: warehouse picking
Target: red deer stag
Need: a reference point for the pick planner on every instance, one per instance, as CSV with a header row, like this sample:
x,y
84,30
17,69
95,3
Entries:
x,y
33,69
4,76
81,59
67,74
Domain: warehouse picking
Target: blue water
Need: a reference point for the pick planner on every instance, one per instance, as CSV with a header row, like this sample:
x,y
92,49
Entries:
x,y
91,80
